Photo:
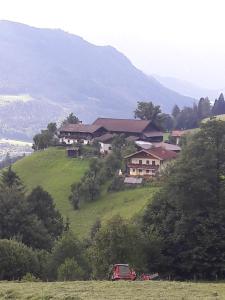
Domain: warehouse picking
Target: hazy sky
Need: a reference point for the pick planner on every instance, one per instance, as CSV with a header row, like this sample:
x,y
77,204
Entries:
x,y
179,38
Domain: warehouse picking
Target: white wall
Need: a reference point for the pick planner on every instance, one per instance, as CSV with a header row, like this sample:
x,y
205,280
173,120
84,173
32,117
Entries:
x,y
105,148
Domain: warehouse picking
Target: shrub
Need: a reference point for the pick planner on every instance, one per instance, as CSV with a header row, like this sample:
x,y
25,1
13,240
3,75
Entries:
x,y
16,260
70,270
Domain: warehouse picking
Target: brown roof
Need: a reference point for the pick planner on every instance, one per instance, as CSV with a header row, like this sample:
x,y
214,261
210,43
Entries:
x,y
167,146
179,133
122,125
162,153
158,152
153,133
107,137
80,128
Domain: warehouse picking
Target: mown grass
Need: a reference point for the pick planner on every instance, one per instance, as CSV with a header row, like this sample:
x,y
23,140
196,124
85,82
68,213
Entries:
x,y
100,290
55,173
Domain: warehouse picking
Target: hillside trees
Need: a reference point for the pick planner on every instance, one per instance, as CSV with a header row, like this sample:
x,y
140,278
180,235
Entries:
x,y
26,221
188,214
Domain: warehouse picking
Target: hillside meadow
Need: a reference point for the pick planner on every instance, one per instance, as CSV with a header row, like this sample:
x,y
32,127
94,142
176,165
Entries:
x,y
100,290
55,172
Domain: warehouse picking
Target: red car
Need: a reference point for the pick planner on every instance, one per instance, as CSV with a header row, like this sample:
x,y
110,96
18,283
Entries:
x,y
123,272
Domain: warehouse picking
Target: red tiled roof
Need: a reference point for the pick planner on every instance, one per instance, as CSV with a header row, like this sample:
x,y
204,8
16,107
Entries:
x,y
122,125
80,128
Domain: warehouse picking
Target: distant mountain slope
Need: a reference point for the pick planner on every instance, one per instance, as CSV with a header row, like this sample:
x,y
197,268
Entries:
x,y
62,72
187,88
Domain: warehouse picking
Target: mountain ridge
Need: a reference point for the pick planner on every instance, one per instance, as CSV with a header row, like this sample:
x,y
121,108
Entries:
x,y
62,70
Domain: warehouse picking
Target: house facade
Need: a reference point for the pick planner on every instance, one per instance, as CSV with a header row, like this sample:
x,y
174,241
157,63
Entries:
x,y
148,162
79,133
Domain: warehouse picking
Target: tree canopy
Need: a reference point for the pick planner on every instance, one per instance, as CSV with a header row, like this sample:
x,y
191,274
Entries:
x,y
188,214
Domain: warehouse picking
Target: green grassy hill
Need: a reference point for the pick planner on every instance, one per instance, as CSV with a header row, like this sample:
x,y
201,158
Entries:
x,y
55,173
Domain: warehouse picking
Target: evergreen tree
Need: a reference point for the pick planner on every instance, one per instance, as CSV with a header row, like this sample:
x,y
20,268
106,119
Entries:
x,y
175,111
40,203
204,108
71,119
11,180
219,106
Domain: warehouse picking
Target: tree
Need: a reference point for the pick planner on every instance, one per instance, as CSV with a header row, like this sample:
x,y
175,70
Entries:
x,y
16,260
46,138
71,119
219,106
149,111
204,108
70,270
11,180
175,111
117,241
41,204
188,214
67,247
187,118
167,123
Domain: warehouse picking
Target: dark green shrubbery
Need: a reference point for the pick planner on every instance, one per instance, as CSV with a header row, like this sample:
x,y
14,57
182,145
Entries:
x,y
16,260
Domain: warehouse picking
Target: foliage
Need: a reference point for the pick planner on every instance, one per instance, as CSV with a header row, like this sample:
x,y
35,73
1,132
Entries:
x,y
71,119
116,242
149,111
32,220
41,204
16,260
70,270
68,247
46,138
11,180
28,277
188,214
117,184
219,106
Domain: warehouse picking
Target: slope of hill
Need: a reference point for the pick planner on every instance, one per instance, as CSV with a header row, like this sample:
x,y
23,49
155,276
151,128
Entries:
x,y
55,173
60,72
187,88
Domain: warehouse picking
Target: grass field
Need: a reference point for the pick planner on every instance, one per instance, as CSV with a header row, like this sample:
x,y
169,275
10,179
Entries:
x,y
100,290
55,173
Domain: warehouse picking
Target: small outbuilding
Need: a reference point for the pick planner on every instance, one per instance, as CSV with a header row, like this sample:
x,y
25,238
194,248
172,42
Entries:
x,y
73,151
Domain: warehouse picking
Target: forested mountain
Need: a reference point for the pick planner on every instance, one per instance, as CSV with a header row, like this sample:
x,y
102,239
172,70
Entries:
x,y
46,73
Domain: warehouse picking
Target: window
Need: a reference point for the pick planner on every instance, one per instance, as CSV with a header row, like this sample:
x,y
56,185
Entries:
x,y
68,141
140,171
110,148
133,170
147,171
140,162
153,163
153,171
147,162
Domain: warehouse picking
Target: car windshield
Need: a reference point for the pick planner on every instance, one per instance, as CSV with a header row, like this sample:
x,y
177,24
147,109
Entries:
x,y
124,270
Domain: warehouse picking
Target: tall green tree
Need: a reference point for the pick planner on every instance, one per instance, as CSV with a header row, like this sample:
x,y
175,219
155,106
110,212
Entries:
x,y
175,111
71,119
204,108
149,111
11,180
41,204
188,214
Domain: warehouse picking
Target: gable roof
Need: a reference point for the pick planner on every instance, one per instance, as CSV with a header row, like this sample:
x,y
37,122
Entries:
x,y
84,128
159,153
122,125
